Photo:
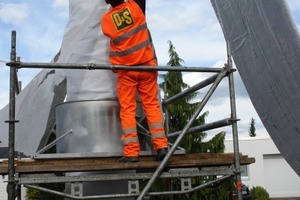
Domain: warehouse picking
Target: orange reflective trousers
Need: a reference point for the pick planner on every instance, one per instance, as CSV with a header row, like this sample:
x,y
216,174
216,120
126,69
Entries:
x,y
145,83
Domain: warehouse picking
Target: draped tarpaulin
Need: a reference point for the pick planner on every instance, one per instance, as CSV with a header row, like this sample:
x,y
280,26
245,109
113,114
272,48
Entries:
x,y
265,46
83,42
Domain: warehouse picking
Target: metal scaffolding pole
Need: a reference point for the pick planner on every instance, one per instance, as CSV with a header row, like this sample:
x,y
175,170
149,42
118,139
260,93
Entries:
x,y
183,133
215,79
93,66
204,127
234,125
190,90
11,141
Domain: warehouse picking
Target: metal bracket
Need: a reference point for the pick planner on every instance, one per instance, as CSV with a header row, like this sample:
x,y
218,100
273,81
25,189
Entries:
x,y
54,142
77,189
186,184
133,187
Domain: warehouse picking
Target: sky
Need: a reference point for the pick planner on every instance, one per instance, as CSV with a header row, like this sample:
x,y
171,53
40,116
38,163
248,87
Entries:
x,y
190,25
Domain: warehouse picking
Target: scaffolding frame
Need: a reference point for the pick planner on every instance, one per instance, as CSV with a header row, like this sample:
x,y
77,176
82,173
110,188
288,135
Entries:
x,y
224,172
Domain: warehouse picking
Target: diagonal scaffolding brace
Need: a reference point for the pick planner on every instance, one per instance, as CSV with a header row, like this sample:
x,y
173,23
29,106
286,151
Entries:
x,y
15,64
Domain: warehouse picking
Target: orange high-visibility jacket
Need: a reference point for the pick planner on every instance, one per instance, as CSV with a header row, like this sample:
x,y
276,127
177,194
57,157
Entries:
x,y
130,41
130,44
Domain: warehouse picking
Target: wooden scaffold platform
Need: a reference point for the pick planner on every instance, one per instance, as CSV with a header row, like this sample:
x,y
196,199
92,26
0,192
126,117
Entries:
x,y
183,167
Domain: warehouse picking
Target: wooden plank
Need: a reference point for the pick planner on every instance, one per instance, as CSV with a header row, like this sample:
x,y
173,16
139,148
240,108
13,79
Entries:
x,y
111,163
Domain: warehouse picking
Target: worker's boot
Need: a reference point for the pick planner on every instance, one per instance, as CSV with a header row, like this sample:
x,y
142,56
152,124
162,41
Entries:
x,y
161,153
128,159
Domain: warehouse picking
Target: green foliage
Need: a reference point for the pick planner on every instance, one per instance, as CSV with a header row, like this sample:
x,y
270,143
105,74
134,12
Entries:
x,y
259,193
175,60
252,128
220,191
179,114
215,145
181,110
32,194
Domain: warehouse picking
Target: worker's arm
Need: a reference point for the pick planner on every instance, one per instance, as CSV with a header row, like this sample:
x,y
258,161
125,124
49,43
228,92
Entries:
x,y
142,4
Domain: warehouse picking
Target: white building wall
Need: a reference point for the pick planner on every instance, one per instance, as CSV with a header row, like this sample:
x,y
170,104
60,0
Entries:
x,y
3,193
270,170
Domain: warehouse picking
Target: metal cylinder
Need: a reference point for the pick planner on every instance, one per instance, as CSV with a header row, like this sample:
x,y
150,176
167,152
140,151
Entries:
x,y
96,128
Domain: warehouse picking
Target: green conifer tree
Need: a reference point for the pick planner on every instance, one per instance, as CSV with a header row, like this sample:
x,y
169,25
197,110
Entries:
x,y
252,128
179,113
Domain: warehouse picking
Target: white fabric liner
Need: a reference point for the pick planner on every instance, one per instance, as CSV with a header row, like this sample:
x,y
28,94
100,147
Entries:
x,y
83,42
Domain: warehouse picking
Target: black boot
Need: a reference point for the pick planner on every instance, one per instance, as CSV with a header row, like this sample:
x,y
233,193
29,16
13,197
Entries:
x,y
128,159
161,153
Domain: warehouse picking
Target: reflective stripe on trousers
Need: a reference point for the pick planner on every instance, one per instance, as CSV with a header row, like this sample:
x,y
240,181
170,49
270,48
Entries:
x,y
131,142
144,82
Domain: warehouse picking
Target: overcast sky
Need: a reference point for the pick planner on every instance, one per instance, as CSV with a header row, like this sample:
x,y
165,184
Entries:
x,y
191,26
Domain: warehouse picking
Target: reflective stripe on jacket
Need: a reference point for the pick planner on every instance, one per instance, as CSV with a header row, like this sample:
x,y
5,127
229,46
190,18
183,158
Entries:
x,y
130,39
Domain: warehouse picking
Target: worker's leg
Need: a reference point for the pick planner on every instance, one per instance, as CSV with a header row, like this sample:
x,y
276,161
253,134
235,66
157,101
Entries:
x,y
148,90
126,94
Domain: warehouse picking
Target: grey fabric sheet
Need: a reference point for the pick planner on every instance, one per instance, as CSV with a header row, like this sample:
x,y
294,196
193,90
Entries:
x,y
265,46
83,42
35,112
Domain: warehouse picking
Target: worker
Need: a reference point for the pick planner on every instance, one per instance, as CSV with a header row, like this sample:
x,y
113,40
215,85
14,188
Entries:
x,y
131,45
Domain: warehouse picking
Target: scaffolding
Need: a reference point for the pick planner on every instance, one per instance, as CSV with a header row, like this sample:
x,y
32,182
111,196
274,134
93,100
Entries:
x,y
29,172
